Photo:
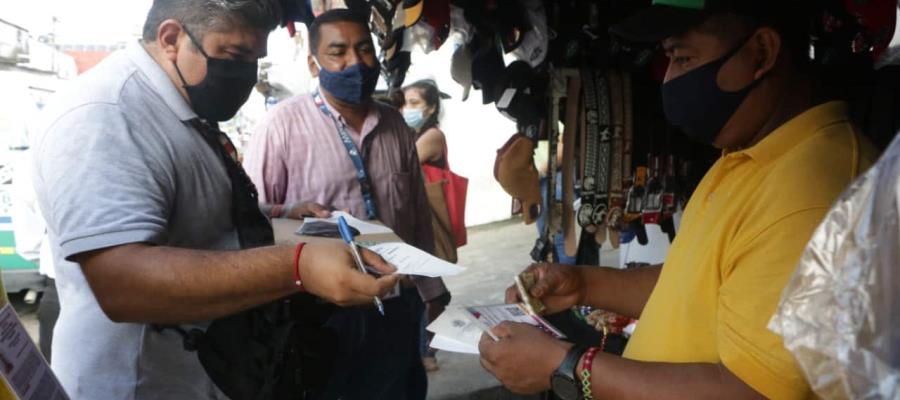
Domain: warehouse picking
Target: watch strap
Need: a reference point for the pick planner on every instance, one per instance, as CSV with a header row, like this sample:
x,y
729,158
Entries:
x,y
570,363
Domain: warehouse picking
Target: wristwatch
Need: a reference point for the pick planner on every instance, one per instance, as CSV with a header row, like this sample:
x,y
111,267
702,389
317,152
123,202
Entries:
x,y
563,382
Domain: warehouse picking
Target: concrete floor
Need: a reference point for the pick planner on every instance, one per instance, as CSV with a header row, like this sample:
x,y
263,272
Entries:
x,y
27,313
494,255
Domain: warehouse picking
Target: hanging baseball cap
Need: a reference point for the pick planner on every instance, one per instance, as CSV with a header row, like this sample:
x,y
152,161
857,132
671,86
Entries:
x,y
421,36
487,67
461,69
515,99
533,48
667,18
459,24
412,12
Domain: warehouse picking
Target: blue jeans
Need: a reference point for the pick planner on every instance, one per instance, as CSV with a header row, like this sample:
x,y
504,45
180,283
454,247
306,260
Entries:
x,y
558,239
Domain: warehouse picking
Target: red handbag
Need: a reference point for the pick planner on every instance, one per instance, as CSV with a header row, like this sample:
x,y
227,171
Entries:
x,y
455,188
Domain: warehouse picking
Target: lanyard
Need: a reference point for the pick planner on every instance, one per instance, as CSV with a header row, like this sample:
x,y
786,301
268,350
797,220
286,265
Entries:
x,y
361,175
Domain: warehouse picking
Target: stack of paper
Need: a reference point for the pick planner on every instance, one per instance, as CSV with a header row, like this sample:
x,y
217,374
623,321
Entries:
x,y
364,228
407,259
459,329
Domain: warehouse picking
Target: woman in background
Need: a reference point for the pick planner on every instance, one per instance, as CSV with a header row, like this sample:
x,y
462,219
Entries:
x,y
421,110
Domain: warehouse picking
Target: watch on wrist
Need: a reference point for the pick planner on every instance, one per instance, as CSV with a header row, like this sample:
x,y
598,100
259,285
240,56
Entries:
x,y
563,382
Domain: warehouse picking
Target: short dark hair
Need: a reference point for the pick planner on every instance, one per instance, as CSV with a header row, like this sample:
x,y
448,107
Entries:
x,y
432,96
202,16
792,25
330,17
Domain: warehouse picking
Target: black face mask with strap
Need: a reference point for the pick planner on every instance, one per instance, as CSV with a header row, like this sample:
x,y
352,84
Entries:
x,y
695,103
225,88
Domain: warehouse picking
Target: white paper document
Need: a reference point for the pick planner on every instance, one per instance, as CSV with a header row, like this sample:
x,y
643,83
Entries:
x,y
364,228
459,329
411,261
444,343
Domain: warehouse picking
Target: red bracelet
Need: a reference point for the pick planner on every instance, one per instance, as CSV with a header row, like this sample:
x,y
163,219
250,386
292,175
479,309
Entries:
x,y
276,210
587,366
297,252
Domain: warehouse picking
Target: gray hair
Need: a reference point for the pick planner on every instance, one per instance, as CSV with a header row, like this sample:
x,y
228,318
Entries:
x,y
202,16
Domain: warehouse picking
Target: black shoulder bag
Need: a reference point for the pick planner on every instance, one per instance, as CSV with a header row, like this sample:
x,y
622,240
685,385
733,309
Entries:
x,y
279,350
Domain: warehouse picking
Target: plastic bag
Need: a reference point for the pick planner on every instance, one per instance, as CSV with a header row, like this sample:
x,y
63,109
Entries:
x,y
840,313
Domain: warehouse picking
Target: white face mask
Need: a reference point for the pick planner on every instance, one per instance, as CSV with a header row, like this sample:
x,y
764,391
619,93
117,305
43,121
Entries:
x,y
414,117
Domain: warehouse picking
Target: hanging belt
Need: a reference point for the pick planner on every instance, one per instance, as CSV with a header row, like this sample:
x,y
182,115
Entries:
x,y
628,103
355,156
573,94
601,190
591,144
616,199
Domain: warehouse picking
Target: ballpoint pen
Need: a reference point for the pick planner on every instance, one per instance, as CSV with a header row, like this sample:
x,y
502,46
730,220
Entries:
x,y
344,228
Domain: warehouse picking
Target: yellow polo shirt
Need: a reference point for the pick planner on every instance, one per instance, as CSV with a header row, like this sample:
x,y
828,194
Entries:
x,y
741,237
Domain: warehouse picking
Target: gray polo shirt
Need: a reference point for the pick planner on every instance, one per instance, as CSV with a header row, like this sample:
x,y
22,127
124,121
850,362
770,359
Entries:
x,y
116,163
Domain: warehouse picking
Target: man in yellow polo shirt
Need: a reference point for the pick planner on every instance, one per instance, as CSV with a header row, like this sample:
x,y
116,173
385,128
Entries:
x,y
737,79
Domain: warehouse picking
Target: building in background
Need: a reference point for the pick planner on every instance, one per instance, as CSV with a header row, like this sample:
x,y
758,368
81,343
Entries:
x,y
31,70
86,56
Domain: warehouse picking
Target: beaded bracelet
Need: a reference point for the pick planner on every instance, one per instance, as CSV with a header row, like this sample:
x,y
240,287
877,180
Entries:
x,y
586,367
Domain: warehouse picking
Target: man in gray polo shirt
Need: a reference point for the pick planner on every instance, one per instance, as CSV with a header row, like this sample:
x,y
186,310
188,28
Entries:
x,y
139,207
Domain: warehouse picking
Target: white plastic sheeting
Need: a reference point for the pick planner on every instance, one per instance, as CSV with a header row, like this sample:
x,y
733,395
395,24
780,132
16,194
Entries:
x,y
840,313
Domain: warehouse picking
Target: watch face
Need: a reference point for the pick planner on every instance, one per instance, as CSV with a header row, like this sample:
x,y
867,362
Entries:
x,y
564,388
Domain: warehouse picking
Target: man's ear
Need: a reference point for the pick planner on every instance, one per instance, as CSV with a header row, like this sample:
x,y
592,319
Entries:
x,y
768,46
313,66
167,38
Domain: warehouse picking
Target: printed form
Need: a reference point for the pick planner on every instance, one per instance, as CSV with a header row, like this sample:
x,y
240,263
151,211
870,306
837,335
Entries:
x,y
411,261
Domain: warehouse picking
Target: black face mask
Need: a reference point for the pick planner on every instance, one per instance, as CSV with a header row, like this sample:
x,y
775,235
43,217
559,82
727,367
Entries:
x,y
695,103
223,91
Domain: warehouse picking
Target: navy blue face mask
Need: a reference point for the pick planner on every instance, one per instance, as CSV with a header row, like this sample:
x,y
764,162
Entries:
x,y
352,85
694,102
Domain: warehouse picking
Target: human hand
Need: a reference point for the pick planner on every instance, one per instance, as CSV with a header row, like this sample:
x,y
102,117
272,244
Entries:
x,y
524,358
559,287
307,209
327,270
